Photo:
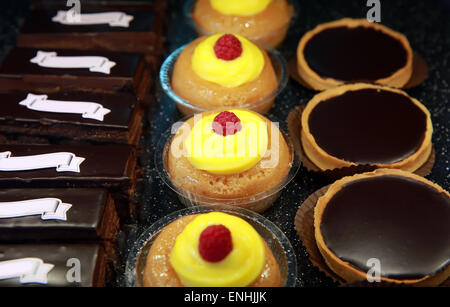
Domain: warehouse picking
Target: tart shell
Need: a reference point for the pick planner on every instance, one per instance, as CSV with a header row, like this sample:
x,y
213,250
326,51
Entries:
x,y
398,79
325,161
343,269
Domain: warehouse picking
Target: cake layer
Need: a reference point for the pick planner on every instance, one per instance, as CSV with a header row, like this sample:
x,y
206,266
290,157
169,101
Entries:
x,y
142,34
57,215
35,69
400,221
102,117
52,265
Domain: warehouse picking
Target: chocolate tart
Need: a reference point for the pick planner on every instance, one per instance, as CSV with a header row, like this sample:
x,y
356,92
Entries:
x,y
354,50
395,217
363,124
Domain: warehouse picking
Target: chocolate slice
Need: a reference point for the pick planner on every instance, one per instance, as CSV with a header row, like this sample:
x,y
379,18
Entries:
x,y
71,166
116,118
58,215
368,126
52,265
354,54
129,74
399,221
142,35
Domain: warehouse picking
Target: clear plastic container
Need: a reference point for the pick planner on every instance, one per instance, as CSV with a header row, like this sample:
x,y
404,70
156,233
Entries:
x,y
186,108
258,202
268,40
274,237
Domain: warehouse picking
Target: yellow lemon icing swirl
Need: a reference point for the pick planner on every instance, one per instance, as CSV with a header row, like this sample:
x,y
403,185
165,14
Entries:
x,y
231,154
246,68
239,269
240,7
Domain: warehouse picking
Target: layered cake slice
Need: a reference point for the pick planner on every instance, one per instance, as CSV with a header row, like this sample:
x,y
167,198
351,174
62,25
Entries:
x,y
71,115
52,265
57,215
70,166
120,26
100,71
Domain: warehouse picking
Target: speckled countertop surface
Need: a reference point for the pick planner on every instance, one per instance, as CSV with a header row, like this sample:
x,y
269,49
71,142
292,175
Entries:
x,y
425,23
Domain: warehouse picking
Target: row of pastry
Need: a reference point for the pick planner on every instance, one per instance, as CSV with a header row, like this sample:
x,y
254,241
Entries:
x,y
228,158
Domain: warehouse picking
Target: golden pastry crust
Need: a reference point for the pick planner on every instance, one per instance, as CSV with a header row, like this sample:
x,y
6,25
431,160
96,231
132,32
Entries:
x,y
268,28
325,161
398,79
158,271
345,270
208,95
248,183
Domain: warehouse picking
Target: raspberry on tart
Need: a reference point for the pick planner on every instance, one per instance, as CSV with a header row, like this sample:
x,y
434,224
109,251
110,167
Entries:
x,y
228,47
226,123
215,243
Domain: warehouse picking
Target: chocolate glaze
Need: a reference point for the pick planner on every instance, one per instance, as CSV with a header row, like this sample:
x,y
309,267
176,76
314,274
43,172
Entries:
x,y
84,218
105,166
90,256
356,54
17,63
368,126
120,104
402,222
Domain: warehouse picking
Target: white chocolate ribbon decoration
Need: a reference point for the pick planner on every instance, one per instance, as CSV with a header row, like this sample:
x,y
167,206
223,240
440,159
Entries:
x,y
28,270
94,63
113,19
40,103
62,161
47,208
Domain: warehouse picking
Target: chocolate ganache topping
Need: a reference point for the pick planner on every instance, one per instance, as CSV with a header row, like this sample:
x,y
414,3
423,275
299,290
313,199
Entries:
x,y
400,221
368,126
354,54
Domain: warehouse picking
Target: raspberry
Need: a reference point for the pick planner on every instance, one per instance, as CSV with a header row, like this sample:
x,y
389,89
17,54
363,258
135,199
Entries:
x,y
215,243
228,47
226,123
